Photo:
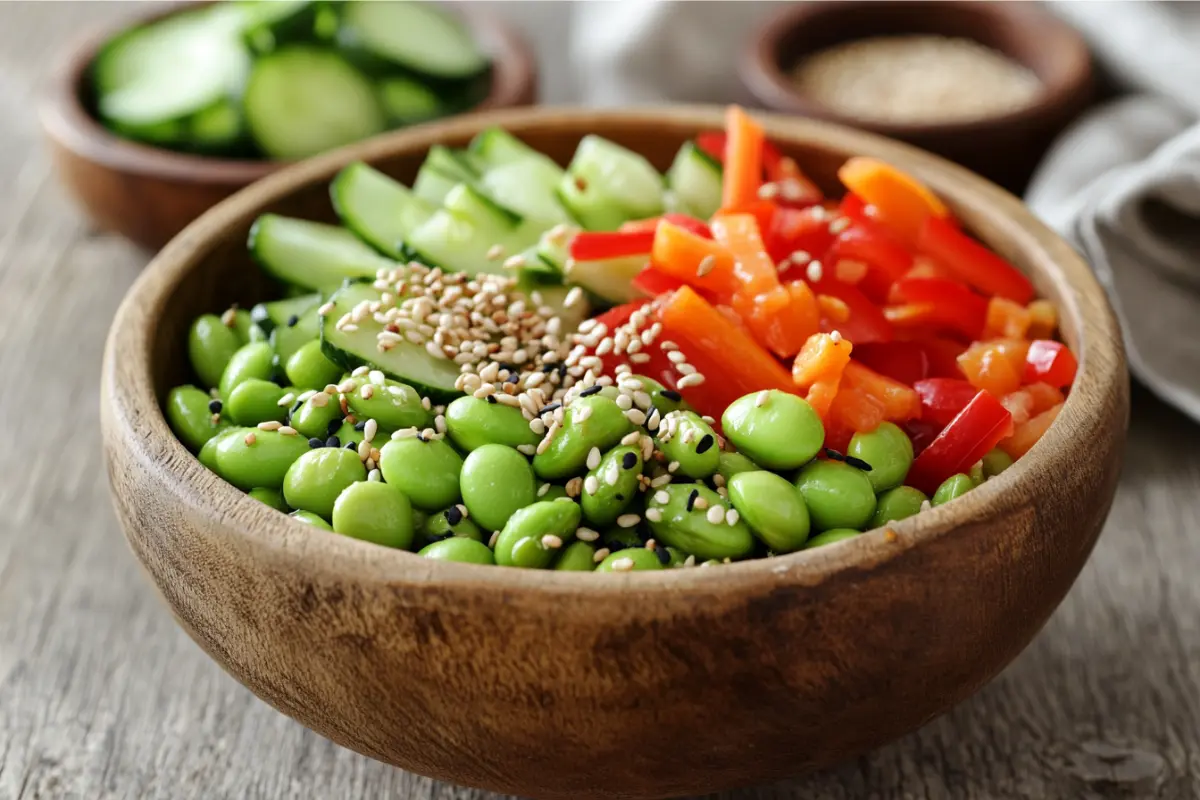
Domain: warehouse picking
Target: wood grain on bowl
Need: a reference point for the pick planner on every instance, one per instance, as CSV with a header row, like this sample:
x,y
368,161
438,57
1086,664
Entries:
x,y
646,685
149,194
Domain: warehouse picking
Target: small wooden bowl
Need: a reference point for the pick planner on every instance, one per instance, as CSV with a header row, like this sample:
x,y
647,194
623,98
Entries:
x,y
149,194
645,685
1004,148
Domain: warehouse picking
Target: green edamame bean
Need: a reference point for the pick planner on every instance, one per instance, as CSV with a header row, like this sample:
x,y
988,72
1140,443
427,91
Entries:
x,y
309,518
995,462
552,491
951,488
888,450
393,405
692,442
603,427
246,329
308,367
635,559
534,535
734,463
208,454
376,512
252,360
420,519
896,504
270,497
772,507
837,495
315,479
472,423
613,484
781,432
254,400
616,538
261,461
576,557
496,481
830,536
427,471
348,434
211,344
975,473
683,522
464,551
450,522
189,416
313,417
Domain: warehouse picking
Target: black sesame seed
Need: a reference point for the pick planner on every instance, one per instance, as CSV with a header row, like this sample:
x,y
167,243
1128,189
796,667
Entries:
x,y
491,398
834,454
671,395
350,445
315,442
629,460
333,427
692,499
591,390
360,426
453,515
663,556
562,370
292,320
296,407
858,463
705,444
549,408
215,406
333,441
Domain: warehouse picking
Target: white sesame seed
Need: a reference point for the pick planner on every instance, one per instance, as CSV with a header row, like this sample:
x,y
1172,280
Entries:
x,y
215,419
661,497
582,414
270,425
661,480
405,433
229,318
835,336
624,402
705,266
367,392
514,262
537,426
723,492
350,328
495,251
639,358
287,399
838,225
346,387
685,369
731,517
636,416
768,191
492,539
574,486
600,555
250,438
551,542
426,403
667,345
364,450
526,449
628,520
586,535
375,476
287,430
622,564
674,465
434,350
814,271
370,430
695,379
326,309
700,503
360,371
591,485
593,458
761,398
718,480
654,514
715,515
690,561
573,297
642,399
631,438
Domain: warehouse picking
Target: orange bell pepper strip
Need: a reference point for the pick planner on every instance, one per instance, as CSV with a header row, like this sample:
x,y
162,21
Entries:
x,y
901,202
995,366
852,411
1006,319
818,369
753,268
1027,433
899,402
743,160
682,254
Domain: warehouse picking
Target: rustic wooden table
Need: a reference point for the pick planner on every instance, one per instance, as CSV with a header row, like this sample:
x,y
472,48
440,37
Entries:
x,y
102,696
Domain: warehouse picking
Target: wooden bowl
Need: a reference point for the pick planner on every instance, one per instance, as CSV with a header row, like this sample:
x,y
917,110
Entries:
x,y
644,685
148,194
1004,148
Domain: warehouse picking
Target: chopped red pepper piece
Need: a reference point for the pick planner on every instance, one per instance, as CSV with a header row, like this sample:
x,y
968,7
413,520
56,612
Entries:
x,y
977,429
696,226
1050,362
906,362
652,282
866,322
793,230
943,398
950,305
972,262
603,245
887,260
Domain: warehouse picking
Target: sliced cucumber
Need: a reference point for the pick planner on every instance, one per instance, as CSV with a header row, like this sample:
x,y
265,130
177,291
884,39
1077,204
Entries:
x,y
312,254
278,313
528,188
554,247
416,36
380,210
556,298
471,204
439,173
607,185
407,102
453,243
217,128
406,362
694,180
610,279
269,25
302,100
496,147
287,339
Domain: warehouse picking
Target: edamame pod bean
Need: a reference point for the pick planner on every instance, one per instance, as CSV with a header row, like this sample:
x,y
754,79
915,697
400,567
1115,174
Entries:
x,y
450,522
776,430
462,550
995,462
733,463
254,400
427,471
830,536
612,486
772,507
888,450
208,454
314,481
348,434
420,519
976,473
635,559
953,487
535,534
837,495
496,481
246,329
683,521
310,369
472,423
577,557
552,491
252,360
315,415
896,504
211,344
690,441
270,497
258,458
393,405
602,426
190,417
376,512
309,518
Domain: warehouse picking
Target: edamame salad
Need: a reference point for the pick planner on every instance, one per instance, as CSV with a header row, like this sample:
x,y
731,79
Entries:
x,y
601,368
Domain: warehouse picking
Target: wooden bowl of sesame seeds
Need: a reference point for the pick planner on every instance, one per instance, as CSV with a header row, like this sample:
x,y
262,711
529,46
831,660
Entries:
x,y
637,685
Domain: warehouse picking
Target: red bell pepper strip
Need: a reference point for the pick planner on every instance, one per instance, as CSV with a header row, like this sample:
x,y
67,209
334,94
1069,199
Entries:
x,y
792,230
696,226
977,429
1050,362
887,260
921,432
973,263
602,245
952,305
943,398
906,362
652,282
856,209
866,322
743,160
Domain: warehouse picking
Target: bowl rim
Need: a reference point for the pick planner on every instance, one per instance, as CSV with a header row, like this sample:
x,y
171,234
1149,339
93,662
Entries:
x,y
766,79
134,419
66,120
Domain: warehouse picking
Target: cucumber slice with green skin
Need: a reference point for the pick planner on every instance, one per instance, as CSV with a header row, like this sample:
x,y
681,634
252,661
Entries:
x,y
610,279
455,244
303,100
278,313
270,25
555,297
554,247
694,181
415,36
380,210
219,128
496,147
441,171
536,272
312,254
527,187
406,362
607,185
286,339
471,204
407,102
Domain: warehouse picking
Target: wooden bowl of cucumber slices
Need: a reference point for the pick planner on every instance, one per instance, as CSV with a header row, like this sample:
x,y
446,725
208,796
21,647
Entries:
x,y
152,122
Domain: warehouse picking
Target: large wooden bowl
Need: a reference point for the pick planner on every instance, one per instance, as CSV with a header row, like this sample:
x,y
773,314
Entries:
x,y
148,194
643,685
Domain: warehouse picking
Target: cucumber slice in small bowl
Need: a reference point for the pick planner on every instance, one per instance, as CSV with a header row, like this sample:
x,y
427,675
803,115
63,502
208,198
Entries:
x,y
417,37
